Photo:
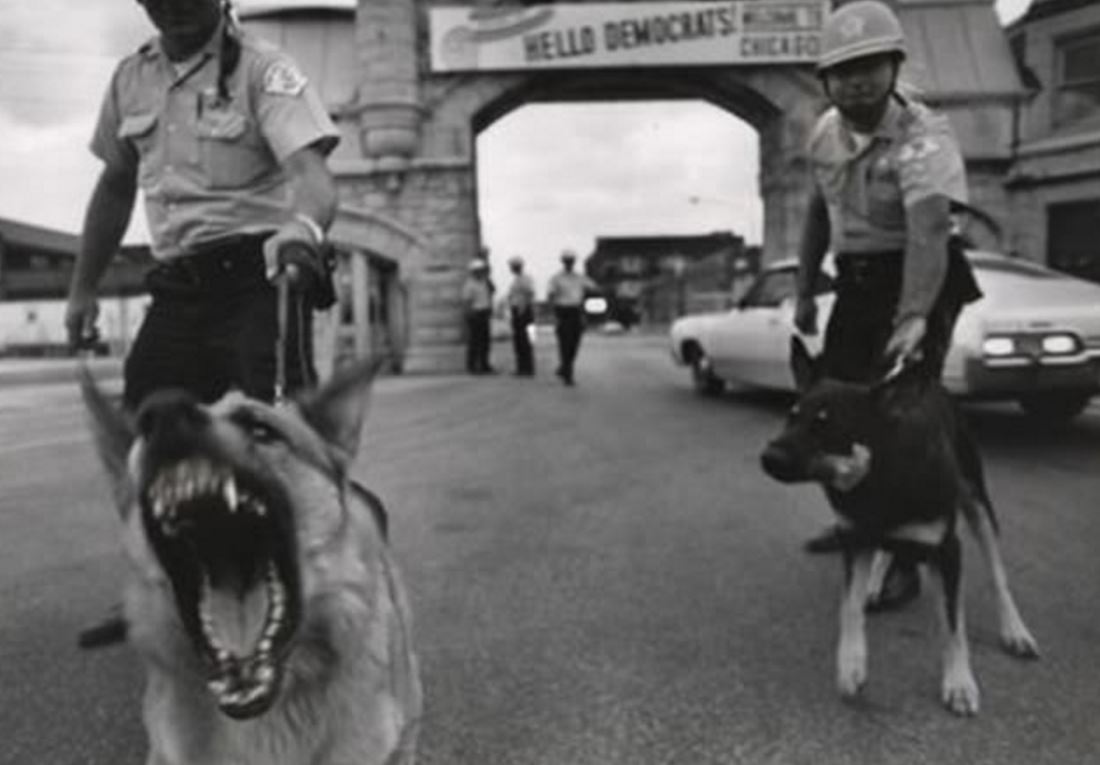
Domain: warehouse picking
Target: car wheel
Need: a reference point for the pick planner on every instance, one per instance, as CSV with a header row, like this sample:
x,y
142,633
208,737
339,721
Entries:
x,y
704,379
1059,406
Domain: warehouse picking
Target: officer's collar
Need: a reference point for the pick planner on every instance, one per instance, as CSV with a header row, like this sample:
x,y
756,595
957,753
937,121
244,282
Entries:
x,y
887,127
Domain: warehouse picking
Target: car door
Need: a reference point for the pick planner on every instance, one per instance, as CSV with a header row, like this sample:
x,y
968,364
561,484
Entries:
x,y
751,343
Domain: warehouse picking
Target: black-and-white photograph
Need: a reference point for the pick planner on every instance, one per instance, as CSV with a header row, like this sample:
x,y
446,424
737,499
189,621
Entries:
x,y
523,382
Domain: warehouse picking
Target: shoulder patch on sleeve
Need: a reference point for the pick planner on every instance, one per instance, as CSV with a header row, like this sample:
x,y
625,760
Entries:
x,y
918,148
283,78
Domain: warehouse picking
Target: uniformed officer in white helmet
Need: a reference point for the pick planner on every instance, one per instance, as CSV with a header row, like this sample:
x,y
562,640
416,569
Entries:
x,y
566,293
521,309
886,172
227,139
477,301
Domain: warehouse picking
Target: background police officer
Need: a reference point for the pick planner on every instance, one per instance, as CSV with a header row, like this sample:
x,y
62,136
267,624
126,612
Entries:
x,y
886,171
566,294
477,300
227,140
521,308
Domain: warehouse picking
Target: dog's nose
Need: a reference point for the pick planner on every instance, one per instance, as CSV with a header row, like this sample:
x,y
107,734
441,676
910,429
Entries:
x,y
171,417
777,463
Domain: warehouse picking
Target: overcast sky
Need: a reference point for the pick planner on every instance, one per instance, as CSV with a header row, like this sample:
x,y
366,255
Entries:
x,y
550,176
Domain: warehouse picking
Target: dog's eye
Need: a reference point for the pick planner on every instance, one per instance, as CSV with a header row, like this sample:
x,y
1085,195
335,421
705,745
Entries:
x,y
257,430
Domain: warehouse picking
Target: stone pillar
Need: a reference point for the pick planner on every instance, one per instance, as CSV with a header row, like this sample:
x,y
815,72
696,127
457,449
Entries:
x,y
389,98
784,184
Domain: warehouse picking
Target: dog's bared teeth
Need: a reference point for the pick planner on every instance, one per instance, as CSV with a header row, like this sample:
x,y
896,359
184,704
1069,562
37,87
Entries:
x,y
229,493
266,674
276,607
204,476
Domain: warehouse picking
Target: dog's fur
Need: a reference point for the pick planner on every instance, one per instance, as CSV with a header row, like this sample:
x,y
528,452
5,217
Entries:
x,y
898,467
262,598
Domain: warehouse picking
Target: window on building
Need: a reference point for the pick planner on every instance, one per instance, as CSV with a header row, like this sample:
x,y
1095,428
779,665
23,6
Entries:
x,y
1071,238
1077,96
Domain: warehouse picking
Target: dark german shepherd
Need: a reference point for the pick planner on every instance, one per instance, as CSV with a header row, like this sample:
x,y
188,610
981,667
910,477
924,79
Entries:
x,y
262,598
899,468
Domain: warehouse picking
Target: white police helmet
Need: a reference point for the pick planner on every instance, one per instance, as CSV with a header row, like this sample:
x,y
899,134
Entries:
x,y
859,29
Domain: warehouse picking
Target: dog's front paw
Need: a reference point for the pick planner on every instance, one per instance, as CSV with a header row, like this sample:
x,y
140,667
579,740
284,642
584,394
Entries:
x,y
851,674
960,693
1018,642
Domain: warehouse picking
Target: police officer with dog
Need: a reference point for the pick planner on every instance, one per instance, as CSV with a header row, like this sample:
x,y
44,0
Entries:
x,y
227,139
887,172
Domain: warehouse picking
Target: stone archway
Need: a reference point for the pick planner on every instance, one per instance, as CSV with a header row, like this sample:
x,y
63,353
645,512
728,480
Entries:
x,y
417,130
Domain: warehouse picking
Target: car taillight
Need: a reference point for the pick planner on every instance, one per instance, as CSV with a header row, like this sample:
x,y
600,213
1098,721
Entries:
x,y
998,346
1031,345
1060,345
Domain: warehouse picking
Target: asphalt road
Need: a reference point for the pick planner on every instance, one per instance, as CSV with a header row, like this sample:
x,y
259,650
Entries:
x,y
599,575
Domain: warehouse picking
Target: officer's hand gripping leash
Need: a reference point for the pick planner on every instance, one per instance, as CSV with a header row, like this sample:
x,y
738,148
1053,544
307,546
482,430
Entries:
x,y
301,277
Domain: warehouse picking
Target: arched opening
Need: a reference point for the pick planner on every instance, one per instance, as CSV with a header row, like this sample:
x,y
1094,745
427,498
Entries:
x,y
661,197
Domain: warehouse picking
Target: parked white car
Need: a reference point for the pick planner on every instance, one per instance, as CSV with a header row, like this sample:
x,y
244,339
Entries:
x,y
1033,338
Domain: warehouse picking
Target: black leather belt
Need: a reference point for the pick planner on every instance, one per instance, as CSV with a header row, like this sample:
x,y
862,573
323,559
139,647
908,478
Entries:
x,y
222,265
869,268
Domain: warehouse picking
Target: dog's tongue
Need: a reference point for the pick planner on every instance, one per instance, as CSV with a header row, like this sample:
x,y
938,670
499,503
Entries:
x,y
234,617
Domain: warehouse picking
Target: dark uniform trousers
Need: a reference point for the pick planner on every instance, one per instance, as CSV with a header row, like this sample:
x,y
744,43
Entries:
x,y
569,328
478,340
522,318
213,327
868,287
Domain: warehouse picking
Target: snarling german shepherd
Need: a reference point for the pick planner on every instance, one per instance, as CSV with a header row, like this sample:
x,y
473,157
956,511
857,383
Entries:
x,y
262,598
899,467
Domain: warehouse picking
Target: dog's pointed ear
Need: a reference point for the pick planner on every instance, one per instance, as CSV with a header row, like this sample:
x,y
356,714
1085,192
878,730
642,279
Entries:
x,y
112,432
337,409
804,367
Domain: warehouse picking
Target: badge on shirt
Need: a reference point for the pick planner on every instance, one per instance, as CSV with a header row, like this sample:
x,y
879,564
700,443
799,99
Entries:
x,y
282,78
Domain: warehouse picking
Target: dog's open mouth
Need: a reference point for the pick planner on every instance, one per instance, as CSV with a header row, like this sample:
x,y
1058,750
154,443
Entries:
x,y
226,539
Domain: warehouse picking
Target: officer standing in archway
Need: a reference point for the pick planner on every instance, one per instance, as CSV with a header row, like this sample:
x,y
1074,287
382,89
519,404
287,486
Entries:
x,y
521,309
566,295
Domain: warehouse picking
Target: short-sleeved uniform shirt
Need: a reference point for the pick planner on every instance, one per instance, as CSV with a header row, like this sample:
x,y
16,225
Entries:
x,y
209,167
567,289
521,292
477,294
868,180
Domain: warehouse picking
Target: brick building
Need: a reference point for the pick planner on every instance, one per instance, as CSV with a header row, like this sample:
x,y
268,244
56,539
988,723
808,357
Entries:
x,y
1054,182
